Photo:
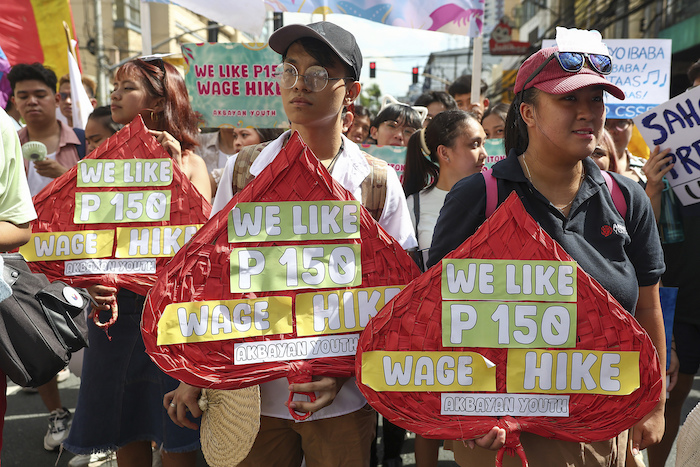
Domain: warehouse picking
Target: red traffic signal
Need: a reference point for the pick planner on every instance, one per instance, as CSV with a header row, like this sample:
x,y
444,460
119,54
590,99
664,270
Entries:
x,y
415,75
372,69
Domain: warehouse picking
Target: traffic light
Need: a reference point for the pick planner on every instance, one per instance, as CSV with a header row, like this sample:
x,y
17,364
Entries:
x,y
372,69
415,75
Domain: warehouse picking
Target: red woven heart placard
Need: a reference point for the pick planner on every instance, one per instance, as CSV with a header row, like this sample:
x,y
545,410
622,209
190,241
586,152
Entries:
x,y
57,206
412,322
201,272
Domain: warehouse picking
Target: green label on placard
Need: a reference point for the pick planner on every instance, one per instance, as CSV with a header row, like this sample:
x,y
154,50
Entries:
x,y
114,207
234,85
294,220
124,172
513,324
267,269
508,280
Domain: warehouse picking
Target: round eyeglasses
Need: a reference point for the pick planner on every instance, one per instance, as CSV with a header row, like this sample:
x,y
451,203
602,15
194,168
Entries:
x,y
615,124
316,78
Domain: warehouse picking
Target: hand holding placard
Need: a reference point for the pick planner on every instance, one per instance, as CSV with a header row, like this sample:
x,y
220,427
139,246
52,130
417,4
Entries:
x,y
672,126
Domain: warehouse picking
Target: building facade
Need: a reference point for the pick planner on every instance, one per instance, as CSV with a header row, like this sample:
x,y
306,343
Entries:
x,y
171,26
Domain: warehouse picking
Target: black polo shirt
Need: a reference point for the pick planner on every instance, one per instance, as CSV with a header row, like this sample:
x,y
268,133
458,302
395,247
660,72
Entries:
x,y
621,254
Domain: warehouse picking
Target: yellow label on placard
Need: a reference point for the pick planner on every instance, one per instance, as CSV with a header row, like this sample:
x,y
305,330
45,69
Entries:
x,y
339,311
151,242
218,320
59,246
427,371
572,371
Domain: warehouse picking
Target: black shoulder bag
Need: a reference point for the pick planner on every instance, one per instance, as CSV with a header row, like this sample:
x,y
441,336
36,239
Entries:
x,y
41,324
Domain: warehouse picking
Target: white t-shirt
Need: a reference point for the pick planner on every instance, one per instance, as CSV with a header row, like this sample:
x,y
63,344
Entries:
x,y
431,201
223,157
37,182
350,169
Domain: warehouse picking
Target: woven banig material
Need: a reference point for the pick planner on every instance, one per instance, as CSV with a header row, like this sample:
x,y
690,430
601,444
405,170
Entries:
x,y
230,423
55,207
412,322
200,271
688,441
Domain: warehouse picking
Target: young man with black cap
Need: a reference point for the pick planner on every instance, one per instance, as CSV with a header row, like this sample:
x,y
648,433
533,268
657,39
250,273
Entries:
x,y
318,78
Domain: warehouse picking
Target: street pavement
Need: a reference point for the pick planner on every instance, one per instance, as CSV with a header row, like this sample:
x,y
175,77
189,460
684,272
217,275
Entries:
x,y
26,424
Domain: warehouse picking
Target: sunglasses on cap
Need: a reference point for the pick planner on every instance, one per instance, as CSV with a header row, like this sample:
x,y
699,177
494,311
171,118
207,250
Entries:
x,y
573,62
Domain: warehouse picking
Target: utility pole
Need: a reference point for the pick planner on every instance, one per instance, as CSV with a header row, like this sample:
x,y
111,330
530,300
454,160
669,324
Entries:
x,y
212,32
99,53
277,20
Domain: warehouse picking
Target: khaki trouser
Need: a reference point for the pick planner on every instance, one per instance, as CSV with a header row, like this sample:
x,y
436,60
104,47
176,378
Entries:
x,y
331,442
544,452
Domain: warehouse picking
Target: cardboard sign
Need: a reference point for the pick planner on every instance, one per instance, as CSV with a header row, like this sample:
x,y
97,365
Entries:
x,y
642,69
117,217
508,331
495,150
233,85
674,125
284,277
395,156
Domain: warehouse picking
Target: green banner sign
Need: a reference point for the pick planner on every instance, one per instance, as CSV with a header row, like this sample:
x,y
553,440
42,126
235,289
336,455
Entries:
x,y
395,156
496,150
232,85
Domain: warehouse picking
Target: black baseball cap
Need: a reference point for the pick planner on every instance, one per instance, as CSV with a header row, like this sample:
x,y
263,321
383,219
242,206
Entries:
x,y
338,39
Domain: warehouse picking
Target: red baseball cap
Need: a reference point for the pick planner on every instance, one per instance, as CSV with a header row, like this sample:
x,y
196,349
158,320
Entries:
x,y
553,79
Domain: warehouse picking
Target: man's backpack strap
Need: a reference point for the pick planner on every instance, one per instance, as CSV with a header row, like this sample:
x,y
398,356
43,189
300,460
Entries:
x,y
374,186
241,168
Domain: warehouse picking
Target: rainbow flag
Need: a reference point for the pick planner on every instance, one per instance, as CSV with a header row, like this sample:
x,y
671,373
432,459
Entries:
x,y
32,31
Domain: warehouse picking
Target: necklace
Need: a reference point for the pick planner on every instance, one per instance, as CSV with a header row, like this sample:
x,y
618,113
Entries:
x,y
330,166
560,209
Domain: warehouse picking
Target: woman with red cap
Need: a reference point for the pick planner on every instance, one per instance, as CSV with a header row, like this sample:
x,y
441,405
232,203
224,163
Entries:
x,y
553,126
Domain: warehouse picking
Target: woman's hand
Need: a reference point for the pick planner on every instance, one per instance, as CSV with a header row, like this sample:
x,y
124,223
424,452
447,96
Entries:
x,y
493,440
170,144
649,430
181,401
326,389
103,297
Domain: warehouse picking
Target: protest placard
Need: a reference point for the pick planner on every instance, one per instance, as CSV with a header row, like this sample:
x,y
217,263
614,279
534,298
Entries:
x,y
642,69
496,150
395,156
233,85
508,326
674,125
295,269
119,215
